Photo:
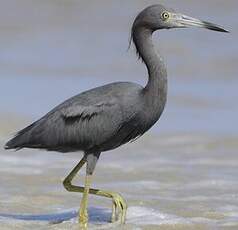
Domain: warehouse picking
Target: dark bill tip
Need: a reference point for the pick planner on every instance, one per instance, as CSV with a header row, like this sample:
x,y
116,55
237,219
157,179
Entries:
x,y
186,21
214,27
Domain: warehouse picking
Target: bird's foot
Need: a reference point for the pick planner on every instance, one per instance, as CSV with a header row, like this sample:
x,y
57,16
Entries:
x,y
119,208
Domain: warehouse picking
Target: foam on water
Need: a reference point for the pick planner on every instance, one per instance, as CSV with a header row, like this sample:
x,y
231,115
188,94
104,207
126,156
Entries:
x,y
137,215
164,189
146,216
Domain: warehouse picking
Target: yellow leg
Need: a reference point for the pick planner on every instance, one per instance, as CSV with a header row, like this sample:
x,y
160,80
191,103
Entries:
x,y
68,180
83,212
119,205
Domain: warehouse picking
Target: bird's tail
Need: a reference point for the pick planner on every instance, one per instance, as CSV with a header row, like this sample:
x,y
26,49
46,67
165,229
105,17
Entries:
x,y
21,139
12,144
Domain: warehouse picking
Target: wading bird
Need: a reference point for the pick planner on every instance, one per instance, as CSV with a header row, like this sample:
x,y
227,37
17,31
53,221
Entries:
x,y
109,116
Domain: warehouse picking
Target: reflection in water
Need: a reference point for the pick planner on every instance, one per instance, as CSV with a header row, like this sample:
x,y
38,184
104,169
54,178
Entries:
x,y
52,218
95,215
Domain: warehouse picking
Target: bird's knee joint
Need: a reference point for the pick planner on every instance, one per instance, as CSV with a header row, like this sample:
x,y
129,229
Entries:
x,y
67,185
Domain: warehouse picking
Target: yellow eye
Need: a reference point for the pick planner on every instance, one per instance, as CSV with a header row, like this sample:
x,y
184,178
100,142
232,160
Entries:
x,y
165,16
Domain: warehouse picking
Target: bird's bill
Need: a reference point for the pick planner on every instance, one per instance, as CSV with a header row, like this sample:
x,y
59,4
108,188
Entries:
x,y
186,21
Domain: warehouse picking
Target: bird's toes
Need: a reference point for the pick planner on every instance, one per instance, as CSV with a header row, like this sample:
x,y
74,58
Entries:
x,y
119,208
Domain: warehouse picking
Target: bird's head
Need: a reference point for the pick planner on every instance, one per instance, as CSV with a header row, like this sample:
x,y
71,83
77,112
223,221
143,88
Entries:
x,y
157,17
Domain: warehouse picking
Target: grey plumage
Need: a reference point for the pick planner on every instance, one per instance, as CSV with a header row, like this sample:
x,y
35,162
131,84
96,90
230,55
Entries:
x,y
108,116
89,123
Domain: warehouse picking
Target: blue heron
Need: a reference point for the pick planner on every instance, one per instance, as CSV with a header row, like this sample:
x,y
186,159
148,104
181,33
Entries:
x,y
109,116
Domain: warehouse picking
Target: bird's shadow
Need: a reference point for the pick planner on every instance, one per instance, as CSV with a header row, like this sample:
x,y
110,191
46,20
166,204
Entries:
x,y
96,215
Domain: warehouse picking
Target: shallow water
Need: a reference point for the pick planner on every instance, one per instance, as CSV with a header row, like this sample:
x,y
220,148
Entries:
x,y
176,182
183,175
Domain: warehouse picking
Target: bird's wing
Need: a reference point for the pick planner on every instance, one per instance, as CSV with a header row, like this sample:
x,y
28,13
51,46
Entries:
x,y
92,125
81,112
88,120
72,126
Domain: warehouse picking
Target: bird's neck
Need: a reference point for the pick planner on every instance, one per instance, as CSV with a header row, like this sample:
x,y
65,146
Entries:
x,y
156,87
